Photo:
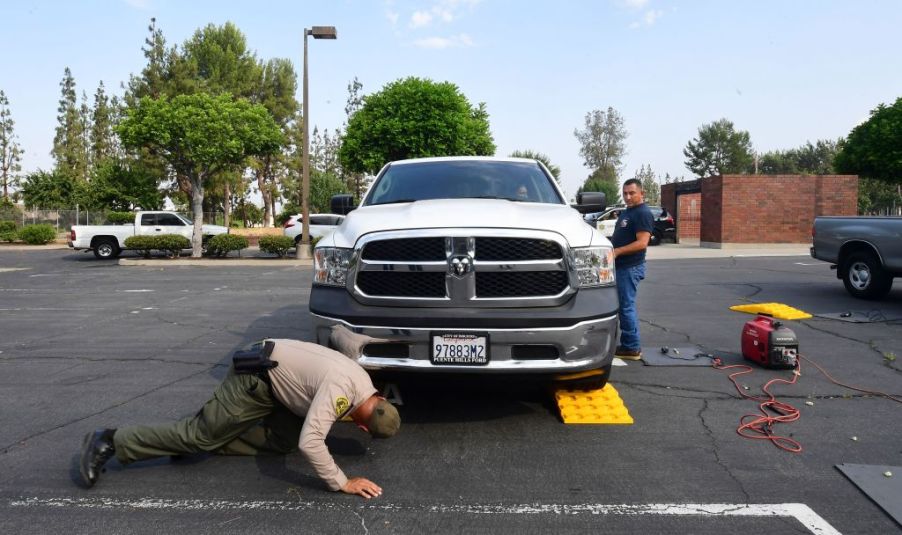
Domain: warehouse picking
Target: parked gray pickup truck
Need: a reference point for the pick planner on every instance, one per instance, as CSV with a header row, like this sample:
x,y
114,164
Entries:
x,y
865,251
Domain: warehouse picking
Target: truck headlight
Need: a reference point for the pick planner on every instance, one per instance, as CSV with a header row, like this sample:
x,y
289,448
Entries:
x,y
594,266
330,265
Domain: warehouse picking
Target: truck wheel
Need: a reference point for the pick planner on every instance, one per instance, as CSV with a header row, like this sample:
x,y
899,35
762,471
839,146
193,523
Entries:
x,y
106,248
591,382
865,278
655,238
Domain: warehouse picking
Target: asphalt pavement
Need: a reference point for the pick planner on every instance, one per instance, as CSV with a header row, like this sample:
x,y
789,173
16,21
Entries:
x,y
87,343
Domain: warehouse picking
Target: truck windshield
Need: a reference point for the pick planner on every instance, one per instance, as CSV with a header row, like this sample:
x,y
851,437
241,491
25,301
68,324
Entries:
x,y
185,219
476,179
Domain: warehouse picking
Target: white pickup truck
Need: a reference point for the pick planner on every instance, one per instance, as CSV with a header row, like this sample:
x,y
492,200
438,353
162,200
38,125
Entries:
x,y
108,241
471,265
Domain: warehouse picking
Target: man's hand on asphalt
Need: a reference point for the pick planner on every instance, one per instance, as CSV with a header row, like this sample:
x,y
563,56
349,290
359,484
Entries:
x,y
362,486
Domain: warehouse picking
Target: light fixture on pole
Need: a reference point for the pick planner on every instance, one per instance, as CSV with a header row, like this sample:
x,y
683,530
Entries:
x,y
303,248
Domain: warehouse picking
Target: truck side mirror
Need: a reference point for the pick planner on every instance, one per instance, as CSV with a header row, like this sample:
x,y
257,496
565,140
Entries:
x,y
342,204
590,201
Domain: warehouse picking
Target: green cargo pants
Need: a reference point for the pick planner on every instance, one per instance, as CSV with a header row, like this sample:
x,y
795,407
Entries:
x,y
242,418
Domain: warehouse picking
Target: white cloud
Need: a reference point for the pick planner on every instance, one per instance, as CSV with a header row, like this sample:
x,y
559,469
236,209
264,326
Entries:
x,y
420,19
392,17
439,43
648,19
653,15
636,4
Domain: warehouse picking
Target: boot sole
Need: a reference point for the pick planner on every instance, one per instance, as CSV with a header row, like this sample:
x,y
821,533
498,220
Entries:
x,y
85,460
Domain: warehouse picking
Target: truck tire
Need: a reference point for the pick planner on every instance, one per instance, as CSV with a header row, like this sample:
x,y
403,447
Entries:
x,y
864,277
591,382
106,248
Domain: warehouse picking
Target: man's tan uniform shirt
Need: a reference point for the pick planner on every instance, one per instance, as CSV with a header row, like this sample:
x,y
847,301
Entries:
x,y
321,386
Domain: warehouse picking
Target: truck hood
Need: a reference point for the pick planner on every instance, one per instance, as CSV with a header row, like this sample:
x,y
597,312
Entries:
x,y
466,213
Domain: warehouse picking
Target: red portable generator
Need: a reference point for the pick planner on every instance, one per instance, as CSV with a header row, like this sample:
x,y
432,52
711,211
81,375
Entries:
x,y
769,343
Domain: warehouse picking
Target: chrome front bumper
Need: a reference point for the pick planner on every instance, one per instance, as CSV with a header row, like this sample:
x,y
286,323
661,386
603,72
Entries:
x,y
584,346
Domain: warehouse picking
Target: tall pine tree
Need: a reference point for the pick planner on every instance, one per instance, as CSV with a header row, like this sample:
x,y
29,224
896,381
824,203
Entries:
x,y
101,140
69,143
10,152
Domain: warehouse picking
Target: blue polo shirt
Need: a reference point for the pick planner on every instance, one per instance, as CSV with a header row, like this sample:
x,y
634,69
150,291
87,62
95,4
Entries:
x,y
632,220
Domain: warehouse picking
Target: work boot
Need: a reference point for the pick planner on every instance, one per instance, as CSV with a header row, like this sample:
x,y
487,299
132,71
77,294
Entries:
x,y
98,449
627,354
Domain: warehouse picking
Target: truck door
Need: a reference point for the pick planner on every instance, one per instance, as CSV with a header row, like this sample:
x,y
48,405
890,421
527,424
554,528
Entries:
x,y
173,224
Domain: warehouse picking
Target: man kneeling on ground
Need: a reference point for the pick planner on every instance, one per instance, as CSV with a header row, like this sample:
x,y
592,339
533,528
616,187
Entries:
x,y
290,405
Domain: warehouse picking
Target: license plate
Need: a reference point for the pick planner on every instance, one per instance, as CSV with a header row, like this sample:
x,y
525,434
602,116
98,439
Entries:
x,y
460,349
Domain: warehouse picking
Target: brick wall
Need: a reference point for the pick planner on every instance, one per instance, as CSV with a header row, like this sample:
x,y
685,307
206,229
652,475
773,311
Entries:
x,y
712,210
775,208
689,216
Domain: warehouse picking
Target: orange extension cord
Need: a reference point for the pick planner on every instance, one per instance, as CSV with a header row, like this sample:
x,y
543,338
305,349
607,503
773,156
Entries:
x,y
760,426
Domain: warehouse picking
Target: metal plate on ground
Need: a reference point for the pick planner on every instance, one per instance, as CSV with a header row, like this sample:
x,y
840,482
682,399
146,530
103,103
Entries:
x,y
675,356
862,316
871,479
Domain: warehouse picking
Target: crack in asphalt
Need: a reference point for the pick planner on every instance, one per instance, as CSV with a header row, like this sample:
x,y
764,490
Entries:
x,y
716,452
869,343
6,449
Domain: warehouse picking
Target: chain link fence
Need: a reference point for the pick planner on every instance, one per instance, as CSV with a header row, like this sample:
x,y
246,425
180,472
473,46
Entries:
x,y
62,220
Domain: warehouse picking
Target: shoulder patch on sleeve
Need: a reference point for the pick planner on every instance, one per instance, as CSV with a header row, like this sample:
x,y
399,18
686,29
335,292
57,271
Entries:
x,y
341,405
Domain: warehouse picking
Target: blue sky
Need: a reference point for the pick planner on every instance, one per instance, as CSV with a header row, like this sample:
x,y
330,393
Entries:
x,y
786,71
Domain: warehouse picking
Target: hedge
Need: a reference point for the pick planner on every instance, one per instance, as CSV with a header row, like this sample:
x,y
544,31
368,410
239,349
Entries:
x,y
169,244
8,231
222,244
143,244
277,245
37,234
120,218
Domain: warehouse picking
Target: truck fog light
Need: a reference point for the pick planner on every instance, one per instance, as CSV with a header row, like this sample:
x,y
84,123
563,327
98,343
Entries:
x,y
594,266
330,265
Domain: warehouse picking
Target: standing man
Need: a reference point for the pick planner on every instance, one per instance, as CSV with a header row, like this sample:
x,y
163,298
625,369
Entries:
x,y
630,239
289,404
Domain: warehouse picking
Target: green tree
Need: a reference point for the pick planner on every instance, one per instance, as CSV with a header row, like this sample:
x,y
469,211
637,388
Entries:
x,y
102,141
56,189
649,185
603,141
124,185
10,152
810,158
873,149
200,135
276,91
413,118
719,149
322,187
356,181
69,142
533,155
605,181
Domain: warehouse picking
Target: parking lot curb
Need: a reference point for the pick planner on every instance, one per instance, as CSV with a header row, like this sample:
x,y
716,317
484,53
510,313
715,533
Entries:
x,y
216,262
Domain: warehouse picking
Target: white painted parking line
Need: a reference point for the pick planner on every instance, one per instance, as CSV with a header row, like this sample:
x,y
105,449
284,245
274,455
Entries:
x,y
801,512
4,270
134,291
809,264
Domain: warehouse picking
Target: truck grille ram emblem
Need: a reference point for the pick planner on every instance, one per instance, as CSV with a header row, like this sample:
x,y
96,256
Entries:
x,y
460,265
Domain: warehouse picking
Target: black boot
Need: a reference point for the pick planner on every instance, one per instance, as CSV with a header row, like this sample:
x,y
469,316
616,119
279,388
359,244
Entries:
x,y
98,449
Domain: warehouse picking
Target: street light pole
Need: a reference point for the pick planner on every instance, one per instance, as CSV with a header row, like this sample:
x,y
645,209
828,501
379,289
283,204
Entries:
x,y
303,248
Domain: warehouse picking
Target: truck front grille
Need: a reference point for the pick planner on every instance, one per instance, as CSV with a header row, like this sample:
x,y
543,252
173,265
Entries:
x,y
495,249
461,270
520,284
405,250
402,284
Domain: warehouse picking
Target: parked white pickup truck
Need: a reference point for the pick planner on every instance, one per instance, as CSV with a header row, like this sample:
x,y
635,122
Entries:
x,y
108,241
471,265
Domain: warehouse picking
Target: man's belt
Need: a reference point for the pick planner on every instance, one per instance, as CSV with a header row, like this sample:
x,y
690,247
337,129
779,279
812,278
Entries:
x,y
255,360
